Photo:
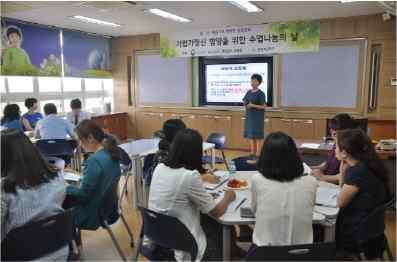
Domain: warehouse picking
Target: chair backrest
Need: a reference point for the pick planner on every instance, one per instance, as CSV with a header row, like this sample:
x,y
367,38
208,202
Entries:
x,y
218,139
39,238
168,232
125,160
56,147
306,252
108,210
373,225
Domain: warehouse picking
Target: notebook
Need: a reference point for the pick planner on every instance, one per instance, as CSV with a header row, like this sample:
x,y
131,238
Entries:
x,y
327,196
223,177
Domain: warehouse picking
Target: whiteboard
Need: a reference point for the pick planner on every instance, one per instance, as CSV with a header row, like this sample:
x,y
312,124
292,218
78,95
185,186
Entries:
x,y
329,78
161,81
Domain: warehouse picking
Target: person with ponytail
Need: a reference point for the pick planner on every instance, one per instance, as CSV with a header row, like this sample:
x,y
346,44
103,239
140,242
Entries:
x,y
100,170
363,182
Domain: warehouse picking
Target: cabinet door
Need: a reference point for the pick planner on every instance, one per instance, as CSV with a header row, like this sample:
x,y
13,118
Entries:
x,y
282,124
222,124
238,140
148,123
302,129
204,123
190,121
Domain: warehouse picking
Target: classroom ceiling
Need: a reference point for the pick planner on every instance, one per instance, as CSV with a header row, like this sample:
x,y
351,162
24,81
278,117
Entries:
x,y
204,14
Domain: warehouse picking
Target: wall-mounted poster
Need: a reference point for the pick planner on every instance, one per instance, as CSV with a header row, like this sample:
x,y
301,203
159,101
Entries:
x,y
29,50
86,55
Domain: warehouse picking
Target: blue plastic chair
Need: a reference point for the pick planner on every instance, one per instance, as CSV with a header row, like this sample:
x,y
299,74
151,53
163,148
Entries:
x,y
168,232
219,140
61,148
53,233
319,251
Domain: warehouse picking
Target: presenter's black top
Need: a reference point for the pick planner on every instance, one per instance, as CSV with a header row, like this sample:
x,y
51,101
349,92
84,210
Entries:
x,y
254,118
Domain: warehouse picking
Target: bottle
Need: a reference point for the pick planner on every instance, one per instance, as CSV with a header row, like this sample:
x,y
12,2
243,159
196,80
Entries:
x,y
232,168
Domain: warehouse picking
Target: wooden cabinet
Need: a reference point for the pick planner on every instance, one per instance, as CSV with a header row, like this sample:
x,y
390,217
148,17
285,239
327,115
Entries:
x,y
230,124
148,123
387,92
282,124
302,128
115,124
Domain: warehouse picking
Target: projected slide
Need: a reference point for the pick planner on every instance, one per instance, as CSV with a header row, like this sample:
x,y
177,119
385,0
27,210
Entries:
x,y
228,83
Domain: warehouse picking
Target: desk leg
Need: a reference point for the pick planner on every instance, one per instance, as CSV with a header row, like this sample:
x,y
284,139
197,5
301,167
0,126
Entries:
x,y
213,158
226,239
329,233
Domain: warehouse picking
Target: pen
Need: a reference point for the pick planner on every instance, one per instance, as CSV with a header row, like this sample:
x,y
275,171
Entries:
x,y
242,202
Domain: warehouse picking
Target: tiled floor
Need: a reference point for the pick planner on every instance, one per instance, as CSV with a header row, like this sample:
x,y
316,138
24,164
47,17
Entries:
x,y
97,245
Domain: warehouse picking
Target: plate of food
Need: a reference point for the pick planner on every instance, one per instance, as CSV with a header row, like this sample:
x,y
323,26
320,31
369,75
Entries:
x,y
237,184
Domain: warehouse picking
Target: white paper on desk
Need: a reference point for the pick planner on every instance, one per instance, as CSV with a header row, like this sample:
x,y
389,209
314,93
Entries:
x,y
329,212
327,196
69,176
310,145
232,206
306,169
223,176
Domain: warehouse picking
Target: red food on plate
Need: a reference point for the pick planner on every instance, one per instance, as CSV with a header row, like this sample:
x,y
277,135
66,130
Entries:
x,y
237,183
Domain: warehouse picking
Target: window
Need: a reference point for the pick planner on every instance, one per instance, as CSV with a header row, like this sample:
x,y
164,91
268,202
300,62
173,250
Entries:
x,y
56,102
94,105
93,84
20,84
49,84
22,107
2,85
71,84
108,87
66,105
59,91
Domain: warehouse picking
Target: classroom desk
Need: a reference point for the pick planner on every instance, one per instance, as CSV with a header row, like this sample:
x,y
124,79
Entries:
x,y
232,217
324,148
144,147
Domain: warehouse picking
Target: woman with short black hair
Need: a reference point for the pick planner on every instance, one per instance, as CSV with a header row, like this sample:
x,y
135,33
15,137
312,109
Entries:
x,y
255,106
31,189
282,197
178,190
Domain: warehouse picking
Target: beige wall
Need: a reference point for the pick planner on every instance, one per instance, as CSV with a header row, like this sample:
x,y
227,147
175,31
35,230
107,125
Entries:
x,y
373,28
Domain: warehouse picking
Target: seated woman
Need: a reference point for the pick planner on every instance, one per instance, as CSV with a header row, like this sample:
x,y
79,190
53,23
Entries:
x,y
177,189
31,189
100,170
329,170
170,128
12,117
363,184
282,197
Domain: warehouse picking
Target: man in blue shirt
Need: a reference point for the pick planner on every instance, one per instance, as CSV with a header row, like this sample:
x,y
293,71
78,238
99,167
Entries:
x,y
32,116
52,126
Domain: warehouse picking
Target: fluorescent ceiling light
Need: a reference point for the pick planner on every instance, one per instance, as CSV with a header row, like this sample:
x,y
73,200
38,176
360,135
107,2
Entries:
x,y
168,15
246,6
349,1
94,21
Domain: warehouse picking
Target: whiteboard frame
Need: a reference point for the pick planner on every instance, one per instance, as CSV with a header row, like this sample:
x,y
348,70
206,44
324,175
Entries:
x,y
136,83
360,87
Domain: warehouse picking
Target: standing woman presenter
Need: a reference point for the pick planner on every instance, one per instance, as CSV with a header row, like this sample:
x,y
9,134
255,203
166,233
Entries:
x,y
255,106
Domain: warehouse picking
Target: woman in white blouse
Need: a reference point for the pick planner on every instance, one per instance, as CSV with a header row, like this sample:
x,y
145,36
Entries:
x,y
282,198
177,189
